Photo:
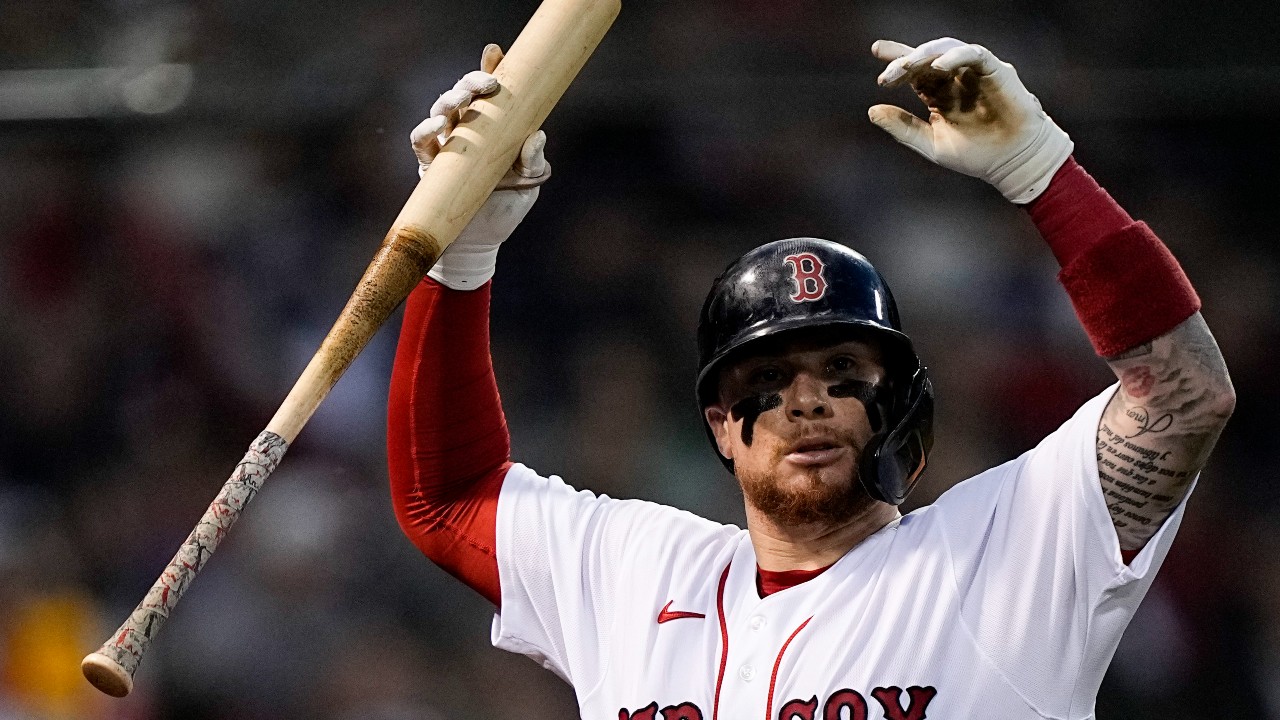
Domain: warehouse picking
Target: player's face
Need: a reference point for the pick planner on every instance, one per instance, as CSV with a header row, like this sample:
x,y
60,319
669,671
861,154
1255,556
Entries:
x,y
794,419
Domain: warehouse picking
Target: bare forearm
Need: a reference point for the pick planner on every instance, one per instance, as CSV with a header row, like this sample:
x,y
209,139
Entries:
x,y
1158,430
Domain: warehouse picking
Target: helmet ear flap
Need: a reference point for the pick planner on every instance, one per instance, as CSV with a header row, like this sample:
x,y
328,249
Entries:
x,y
895,458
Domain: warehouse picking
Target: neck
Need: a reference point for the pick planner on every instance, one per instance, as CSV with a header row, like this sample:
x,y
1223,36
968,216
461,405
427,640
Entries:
x,y
811,547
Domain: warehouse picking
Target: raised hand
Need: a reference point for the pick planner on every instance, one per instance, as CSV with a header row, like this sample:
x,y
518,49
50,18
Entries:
x,y
531,168
983,121
470,260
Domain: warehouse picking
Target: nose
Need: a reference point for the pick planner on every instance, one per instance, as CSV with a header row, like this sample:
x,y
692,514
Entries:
x,y
807,398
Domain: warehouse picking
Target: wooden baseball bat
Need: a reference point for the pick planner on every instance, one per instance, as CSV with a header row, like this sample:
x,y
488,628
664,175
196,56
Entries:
x,y
536,71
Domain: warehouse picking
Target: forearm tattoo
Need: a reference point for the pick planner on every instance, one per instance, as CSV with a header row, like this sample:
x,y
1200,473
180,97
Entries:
x,y
1175,397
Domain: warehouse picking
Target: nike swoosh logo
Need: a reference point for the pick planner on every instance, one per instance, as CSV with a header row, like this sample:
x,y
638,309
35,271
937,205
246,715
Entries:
x,y
666,614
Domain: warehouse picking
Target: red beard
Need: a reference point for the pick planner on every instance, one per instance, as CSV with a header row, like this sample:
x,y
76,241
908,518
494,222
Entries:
x,y
812,502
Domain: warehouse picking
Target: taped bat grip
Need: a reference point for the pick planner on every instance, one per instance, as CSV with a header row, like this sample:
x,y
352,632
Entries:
x,y
111,667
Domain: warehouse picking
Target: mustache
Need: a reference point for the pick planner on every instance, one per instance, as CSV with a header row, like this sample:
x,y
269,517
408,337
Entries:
x,y
788,443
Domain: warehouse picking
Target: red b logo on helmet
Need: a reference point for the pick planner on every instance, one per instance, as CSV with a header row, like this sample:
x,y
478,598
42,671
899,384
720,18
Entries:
x,y
807,272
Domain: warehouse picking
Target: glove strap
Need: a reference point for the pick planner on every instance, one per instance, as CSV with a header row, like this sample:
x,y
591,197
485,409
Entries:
x,y
1028,173
466,266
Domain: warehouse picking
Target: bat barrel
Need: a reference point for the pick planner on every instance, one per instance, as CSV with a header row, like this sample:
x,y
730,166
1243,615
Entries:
x,y
534,75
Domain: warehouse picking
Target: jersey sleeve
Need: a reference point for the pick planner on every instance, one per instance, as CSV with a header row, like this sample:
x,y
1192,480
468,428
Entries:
x,y
1043,587
566,558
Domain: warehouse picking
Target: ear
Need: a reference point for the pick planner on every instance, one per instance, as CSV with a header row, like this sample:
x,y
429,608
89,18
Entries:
x,y
718,420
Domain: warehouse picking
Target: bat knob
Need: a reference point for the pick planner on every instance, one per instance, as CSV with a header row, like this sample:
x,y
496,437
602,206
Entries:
x,y
106,674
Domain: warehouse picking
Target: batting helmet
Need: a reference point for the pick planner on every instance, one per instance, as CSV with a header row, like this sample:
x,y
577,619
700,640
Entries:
x,y
807,283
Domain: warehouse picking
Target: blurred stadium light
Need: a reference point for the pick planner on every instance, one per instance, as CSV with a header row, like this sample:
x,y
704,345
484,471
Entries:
x,y
93,92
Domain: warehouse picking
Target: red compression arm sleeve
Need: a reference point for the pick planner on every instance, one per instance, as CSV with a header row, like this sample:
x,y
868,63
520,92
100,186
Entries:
x,y
447,444
1126,286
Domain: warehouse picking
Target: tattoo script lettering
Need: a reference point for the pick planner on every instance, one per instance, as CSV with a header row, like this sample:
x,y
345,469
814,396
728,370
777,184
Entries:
x,y
1156,433
1142,416
1132,477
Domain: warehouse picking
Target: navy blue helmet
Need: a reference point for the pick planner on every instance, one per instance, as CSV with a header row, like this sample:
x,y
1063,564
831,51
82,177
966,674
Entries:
x,y
804,284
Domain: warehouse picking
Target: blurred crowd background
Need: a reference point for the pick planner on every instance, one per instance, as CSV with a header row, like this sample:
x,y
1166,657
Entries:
x,y
190,189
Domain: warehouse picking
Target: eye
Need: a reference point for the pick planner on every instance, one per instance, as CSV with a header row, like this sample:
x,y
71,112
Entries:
x,y
766,375
842,363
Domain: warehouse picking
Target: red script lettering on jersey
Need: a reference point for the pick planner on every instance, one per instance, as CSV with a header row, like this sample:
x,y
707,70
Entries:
x,y
666,613
683,711
839,704
807,272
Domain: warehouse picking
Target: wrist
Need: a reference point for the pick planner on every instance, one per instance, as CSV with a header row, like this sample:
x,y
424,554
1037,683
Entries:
x,y
1128,289
1125,285
1025,176
1075,213
469,262
465,266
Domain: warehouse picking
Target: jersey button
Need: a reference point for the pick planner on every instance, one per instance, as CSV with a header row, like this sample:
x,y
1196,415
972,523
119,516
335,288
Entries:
x,y
757,622
746,672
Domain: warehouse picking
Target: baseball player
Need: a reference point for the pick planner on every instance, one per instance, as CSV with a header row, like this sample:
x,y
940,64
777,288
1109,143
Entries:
x,y
1003,599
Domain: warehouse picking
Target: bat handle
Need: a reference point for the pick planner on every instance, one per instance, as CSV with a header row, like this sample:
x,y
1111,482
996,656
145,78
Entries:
x,y
111,667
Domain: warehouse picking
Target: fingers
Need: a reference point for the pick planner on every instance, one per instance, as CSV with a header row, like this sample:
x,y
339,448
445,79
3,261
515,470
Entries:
x,y
479,83
906,65
474,84
975,57
531,168
903,127
450,102
446,111
426,139
889,50
429,134
490,58
531,164
532,161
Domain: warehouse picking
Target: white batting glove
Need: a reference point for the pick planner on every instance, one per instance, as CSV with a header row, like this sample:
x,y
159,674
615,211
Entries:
x,y
470,260
982,120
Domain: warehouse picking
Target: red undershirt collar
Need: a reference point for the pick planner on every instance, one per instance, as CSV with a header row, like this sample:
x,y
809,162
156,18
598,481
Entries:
x,y
769,582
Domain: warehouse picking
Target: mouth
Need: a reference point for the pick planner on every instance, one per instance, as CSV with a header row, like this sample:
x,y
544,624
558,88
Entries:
x,y
814,452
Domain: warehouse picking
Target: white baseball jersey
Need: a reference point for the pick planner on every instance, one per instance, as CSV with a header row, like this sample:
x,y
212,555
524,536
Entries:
x,y
1004,599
